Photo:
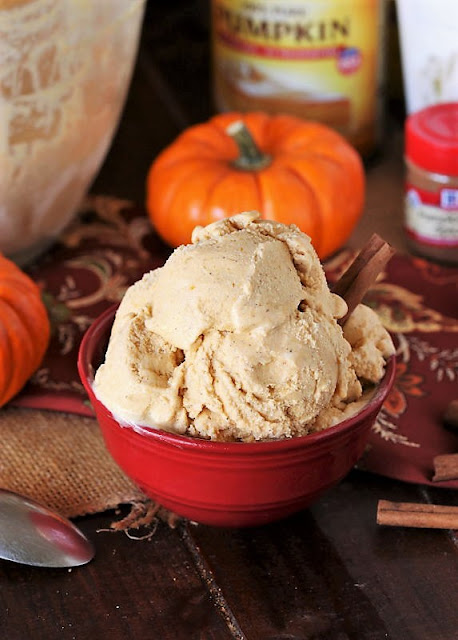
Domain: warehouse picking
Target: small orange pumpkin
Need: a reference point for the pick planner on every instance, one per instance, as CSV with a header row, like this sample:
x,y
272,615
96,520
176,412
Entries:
x,y
24,329
288,169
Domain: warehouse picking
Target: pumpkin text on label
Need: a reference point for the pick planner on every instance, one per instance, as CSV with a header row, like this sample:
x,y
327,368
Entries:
x,y
305,174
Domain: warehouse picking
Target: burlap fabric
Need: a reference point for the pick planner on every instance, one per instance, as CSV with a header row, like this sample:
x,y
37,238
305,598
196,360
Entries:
x,y
60,459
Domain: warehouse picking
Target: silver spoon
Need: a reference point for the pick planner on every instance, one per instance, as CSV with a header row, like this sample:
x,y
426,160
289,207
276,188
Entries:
x,y
30,533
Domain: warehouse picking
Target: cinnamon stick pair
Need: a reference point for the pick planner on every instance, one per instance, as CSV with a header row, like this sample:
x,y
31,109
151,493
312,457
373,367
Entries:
x,y
362,273
433,516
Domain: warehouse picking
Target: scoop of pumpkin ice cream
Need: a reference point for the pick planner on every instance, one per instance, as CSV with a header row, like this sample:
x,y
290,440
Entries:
x,y
236,338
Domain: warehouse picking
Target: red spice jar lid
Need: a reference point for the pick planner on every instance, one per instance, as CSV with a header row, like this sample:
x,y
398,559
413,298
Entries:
x,y
431,138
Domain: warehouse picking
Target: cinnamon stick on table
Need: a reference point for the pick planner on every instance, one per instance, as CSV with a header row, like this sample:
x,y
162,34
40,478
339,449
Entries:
x,y
362,273
411,514
445,467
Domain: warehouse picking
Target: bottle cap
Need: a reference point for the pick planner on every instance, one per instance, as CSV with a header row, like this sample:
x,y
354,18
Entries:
x,y
431,138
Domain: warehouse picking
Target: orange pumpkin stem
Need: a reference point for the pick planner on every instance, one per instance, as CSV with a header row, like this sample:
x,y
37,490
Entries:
x,y
250,157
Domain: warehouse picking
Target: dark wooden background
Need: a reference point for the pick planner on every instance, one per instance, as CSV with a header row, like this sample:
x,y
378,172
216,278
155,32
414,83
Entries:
x,y
327,573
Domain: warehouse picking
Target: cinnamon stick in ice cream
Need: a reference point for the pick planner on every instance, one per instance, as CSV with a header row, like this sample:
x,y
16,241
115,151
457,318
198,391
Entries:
x,y
362,273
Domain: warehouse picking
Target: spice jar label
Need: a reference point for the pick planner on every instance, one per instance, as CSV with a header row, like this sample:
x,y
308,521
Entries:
x,y
432,218
317,60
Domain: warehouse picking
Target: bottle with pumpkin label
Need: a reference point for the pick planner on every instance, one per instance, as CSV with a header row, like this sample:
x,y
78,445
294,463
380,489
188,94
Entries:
x,y
316,59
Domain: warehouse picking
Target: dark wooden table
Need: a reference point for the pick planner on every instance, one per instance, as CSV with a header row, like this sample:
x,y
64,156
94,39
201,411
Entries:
x,y
327,573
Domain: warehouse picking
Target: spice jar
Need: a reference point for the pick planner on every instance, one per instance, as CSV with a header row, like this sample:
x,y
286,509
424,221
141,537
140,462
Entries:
x,y
314,59
431,201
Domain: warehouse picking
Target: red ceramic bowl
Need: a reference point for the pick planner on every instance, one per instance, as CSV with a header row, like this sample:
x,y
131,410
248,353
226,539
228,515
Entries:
x,y
228,484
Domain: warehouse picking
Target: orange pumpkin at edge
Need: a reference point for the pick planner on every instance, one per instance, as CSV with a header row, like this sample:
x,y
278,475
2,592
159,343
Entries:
x,y
290,170
24,329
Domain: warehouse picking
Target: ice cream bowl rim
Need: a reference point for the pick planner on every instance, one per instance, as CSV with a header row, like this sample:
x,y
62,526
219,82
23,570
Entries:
x,y
214,457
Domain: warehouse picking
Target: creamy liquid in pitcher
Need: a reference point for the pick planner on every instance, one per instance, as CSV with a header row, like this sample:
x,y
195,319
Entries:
x,y
65,66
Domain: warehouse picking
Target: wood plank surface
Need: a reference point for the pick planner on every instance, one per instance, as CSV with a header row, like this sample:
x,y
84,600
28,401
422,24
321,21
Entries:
x,y
147,588
332,572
